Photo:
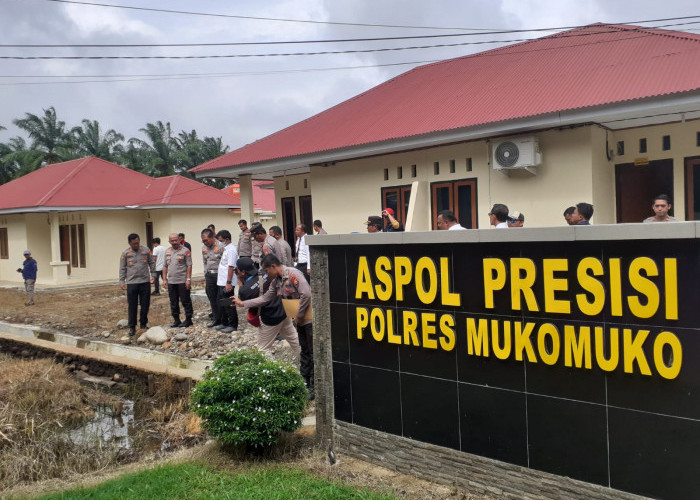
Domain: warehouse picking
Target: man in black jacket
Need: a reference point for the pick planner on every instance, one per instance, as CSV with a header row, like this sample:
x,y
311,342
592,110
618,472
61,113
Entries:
x,y
273,318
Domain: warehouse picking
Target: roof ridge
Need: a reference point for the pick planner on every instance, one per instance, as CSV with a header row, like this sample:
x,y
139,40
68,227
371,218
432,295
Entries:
x,y
169,191
59,185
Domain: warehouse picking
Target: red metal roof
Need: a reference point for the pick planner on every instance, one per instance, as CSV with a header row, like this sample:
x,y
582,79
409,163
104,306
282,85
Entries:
x,y
584,67
93,182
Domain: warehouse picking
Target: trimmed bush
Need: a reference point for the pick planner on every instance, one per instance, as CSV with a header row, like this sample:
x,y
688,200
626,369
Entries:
x,y
247,399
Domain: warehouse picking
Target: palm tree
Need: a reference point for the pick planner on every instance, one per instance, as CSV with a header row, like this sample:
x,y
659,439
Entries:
x,y
193,151
47,133
160,150
89,142
213,147
16,159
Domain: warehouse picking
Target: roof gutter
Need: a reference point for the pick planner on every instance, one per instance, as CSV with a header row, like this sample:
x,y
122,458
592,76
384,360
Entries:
x,y
619,115
26,210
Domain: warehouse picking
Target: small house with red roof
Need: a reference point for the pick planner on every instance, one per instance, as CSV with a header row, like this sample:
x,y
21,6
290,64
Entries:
x,y
606,114
75,217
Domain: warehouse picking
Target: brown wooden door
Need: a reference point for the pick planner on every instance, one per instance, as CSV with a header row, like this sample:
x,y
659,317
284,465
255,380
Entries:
x,y
289,219
397,198
458,197
64,237
149,235
305,213
636,186
692,188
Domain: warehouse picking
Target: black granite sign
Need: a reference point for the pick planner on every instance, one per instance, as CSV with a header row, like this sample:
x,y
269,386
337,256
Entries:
x,y
577,358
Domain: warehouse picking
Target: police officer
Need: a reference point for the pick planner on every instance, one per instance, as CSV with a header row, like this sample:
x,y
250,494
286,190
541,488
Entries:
x,y
245,247
268,243
212,250
286,257
290,283
256,245
136,266
177,277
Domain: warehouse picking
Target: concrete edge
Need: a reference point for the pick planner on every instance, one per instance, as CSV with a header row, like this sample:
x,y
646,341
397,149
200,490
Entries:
x,y
104,357
638,231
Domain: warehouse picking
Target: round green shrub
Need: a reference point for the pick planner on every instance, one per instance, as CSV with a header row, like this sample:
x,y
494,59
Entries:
x,y
247,399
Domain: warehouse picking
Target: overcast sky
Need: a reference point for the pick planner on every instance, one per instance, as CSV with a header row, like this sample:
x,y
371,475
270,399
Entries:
x,y
281,90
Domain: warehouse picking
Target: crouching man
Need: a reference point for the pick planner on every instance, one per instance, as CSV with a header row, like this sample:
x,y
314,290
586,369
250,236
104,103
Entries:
x,y
271,318
289,283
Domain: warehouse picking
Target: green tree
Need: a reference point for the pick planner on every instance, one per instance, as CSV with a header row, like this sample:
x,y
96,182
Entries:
x,y
193,151
159,150
89,141
48,135
213,147
16,159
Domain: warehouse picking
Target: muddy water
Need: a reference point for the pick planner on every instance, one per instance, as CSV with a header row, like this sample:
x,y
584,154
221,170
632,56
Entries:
x,y
107,428
125,428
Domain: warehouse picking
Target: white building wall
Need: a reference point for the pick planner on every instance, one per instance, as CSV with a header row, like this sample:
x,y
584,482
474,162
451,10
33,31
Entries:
x,y
684,144
17,243
346,193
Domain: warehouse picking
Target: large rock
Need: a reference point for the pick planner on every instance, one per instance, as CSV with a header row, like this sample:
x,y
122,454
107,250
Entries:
x,y
123,323
156,335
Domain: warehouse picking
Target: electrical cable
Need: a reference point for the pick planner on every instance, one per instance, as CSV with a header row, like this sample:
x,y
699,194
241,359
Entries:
x,y
325,52
184,76
149,9
337,40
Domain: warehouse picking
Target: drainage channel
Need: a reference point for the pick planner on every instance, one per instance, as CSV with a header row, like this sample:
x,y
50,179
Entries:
x,y
124,354
115,354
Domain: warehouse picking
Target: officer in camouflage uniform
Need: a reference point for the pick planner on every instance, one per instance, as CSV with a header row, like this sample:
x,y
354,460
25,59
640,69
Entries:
x,y
136,268
177,278
212,251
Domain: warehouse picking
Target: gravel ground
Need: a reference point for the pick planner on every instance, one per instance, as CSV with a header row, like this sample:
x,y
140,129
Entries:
x,y
95,312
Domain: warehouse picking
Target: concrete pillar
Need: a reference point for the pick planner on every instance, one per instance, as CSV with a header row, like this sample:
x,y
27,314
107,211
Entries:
x,y
245,183
418,217
323,355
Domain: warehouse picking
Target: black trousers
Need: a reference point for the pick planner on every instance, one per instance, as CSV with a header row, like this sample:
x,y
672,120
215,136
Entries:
x,y
303,266
228,314
179,293
212,292
156,282
138,293
306,361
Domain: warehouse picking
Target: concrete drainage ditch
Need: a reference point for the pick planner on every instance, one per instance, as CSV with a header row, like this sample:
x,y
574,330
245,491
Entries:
x,y
123,363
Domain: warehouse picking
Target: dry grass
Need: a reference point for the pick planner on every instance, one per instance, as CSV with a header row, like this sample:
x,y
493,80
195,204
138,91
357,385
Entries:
x,y
39,401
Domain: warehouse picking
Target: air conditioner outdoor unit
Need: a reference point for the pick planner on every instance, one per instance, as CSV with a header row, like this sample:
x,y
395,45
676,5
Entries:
x,y
519,152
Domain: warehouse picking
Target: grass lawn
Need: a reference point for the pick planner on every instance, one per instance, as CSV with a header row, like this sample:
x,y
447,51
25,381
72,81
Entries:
x,y
193,481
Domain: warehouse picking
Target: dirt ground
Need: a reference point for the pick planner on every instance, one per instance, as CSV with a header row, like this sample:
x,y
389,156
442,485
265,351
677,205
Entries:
x,y
77,311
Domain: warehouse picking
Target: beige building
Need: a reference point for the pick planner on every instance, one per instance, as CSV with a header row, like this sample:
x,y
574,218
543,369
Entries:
x,y
75,217
599,114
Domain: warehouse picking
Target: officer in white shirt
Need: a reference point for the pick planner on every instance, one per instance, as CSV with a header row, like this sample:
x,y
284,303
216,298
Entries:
x,y
302,258
159,255
226,282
